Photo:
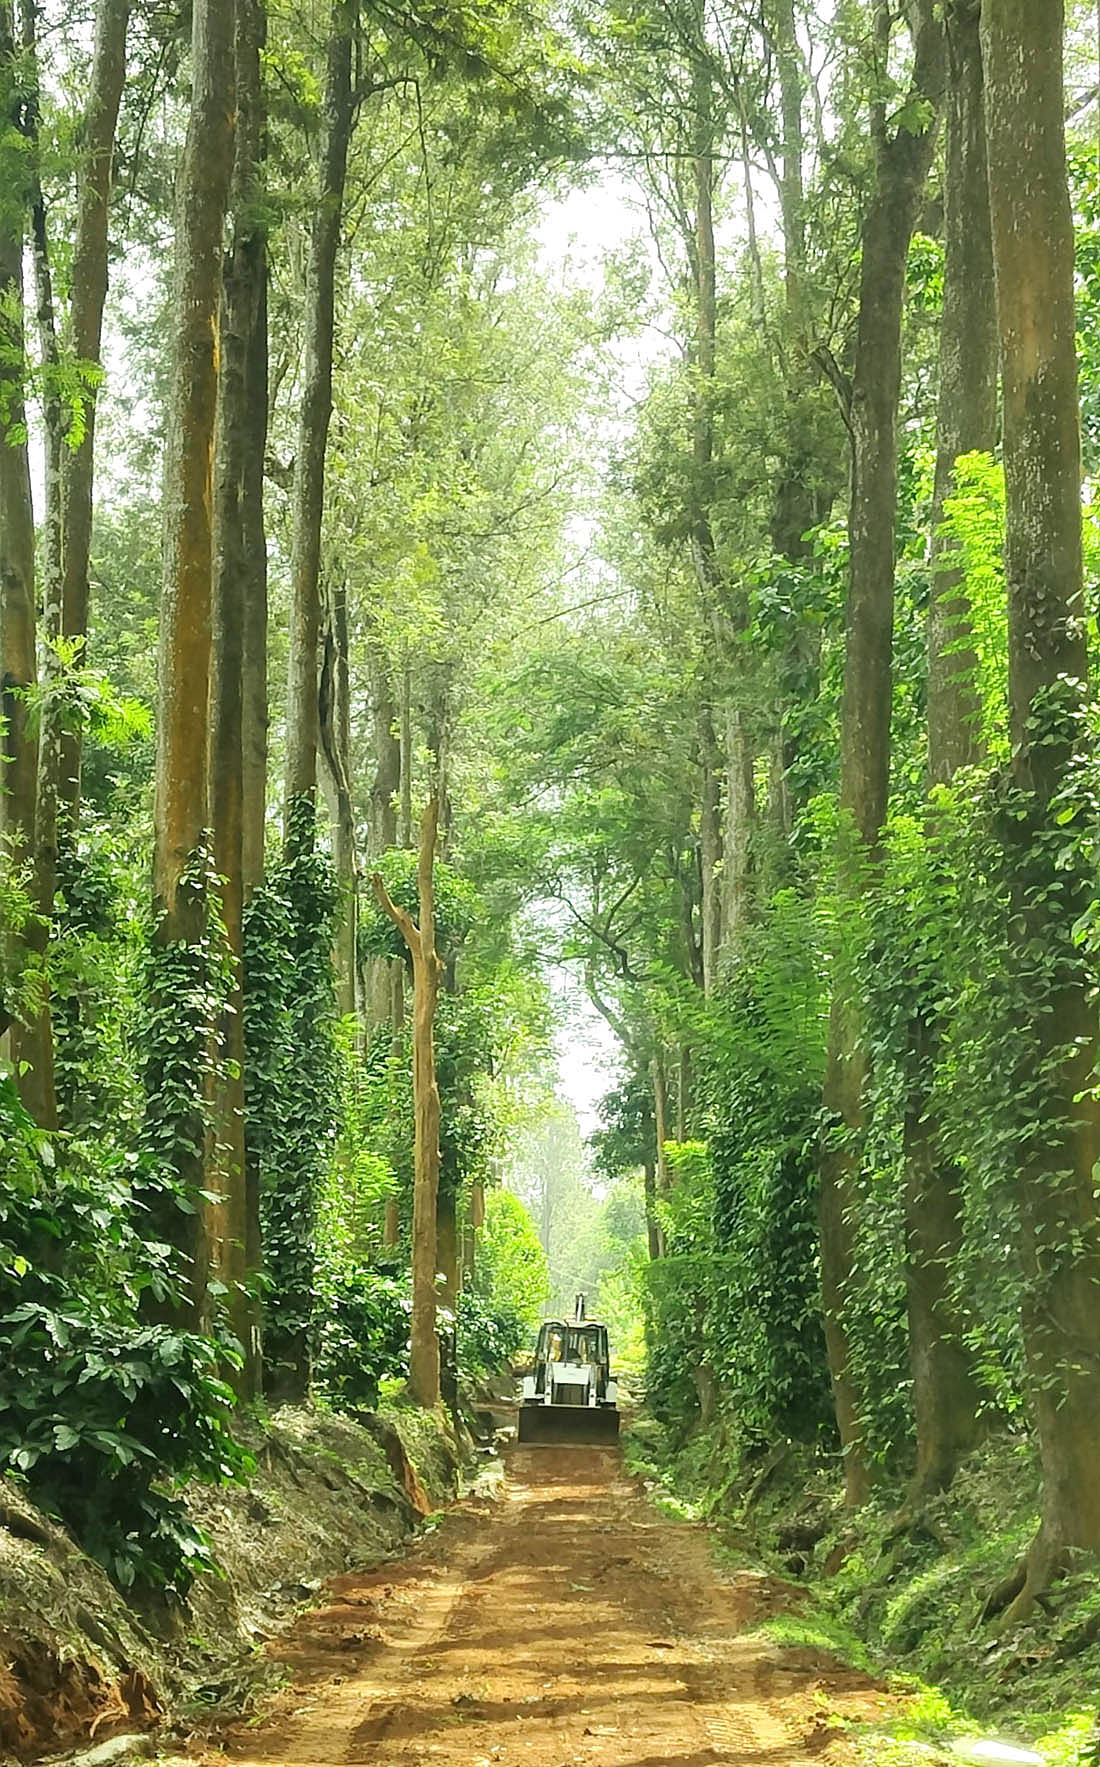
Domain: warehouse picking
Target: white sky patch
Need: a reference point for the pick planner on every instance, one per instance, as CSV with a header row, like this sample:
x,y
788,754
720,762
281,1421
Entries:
x,y
589,1056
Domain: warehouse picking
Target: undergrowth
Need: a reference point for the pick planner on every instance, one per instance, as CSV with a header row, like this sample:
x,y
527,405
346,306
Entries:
x,y
904,1597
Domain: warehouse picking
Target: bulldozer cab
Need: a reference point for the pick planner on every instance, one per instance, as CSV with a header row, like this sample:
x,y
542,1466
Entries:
x,y
570,1395
580,1346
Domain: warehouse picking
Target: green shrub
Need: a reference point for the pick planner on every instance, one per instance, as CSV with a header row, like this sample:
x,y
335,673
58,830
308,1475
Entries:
x,y
102,1411
363,1335
488,1335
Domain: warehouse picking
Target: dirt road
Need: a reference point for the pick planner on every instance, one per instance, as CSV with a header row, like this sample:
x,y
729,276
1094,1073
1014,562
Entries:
x,y
561,1623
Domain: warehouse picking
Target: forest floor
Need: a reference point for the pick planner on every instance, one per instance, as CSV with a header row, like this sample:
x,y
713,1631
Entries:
x,y
558,1620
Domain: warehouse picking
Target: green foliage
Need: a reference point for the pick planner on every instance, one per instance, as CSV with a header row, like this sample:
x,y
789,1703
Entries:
x,y
21,970
359,1176
96,962
456,907
973,526
511,1273
101,1411
733,1306
362,1334
487,1334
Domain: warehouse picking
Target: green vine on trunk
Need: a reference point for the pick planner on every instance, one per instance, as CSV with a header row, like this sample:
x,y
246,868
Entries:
x,y
292,1088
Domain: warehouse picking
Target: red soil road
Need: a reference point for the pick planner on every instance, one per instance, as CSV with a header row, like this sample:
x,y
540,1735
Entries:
x,y
563,1623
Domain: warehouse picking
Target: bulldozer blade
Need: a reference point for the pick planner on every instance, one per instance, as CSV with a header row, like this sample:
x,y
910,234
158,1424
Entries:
x,y
569,1425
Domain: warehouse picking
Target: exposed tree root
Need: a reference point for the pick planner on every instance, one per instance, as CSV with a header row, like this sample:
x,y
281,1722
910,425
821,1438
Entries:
x,y
1004,1593
1027,1586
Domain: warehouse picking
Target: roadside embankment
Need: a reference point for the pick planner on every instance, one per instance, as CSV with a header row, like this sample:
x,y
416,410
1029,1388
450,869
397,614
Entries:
x,y
81,1661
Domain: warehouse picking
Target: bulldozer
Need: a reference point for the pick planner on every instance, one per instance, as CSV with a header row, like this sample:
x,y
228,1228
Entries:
x,y
569,1396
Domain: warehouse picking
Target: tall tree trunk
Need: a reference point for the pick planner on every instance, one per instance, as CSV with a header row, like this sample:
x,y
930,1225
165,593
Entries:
x,y
89,294
737,871
792,200
234,1233
49,722
176,1064
967,417
391,1225
946,1392
902,161
385,787
446,1241
660,1119
1033,251
31,1041
710,850
427,975
406,746
652,1224
308,497
253,270
335,704
254,709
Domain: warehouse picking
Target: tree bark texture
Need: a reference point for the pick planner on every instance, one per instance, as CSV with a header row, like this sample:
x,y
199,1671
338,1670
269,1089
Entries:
x,y
47,783
660,1136
737,867
181,808
406,744
85,333
447,1248
710,850
303,717
652,1225
1034,253
424,1369
335,710
234,1219
946,1392
382,829
902,161
254,707
32,1042
967,416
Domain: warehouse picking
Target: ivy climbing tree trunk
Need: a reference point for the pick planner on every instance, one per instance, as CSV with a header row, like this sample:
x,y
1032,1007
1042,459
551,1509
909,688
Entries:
x,y
180,1020
946,1392
424,1369
89,277
291,1203
1055,1000
901,163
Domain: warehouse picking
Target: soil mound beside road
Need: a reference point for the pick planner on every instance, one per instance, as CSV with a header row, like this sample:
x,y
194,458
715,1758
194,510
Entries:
x,y
561,1622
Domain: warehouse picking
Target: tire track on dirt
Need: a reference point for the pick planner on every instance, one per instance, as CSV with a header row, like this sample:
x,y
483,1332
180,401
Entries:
x,y
563,1625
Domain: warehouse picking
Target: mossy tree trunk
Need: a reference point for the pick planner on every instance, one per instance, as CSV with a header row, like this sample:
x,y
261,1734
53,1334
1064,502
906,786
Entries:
x,y
1056,1070
902,159
241,436
946,1391
178,1053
